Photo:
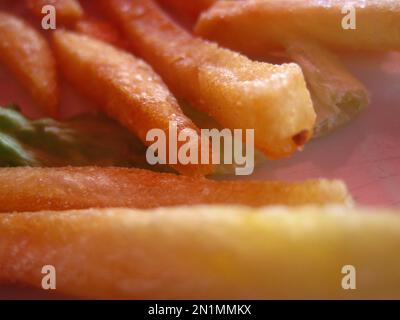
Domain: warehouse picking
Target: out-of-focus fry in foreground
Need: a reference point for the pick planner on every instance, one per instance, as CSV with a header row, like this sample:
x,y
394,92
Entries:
x,y
125,87
68,11
206,252
35,189
253,26
337,95
237,92
26,54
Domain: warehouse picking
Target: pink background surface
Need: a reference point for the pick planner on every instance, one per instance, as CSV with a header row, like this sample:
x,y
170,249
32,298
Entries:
x,y
365,154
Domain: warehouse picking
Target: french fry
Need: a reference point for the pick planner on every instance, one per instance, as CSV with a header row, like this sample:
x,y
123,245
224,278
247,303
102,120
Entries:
x,y
36,189
101,30
207,252
126,88
237,92
252,26
337,95
68,11
27,54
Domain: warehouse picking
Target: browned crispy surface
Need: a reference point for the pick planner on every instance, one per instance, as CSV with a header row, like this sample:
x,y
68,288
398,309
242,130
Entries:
x,y
35,189
126,88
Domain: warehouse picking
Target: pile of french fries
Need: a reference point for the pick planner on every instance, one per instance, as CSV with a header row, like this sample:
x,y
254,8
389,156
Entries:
x,y
183,235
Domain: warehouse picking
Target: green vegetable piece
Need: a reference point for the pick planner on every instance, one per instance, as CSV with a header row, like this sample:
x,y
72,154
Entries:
x,y
13,154
11,120
85,140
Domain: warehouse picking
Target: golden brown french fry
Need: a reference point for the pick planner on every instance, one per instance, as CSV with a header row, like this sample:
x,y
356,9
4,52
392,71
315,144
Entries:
x,y
27,54
126,88
254,25
101,30
237,92
337,95
35,189
207,252
68,11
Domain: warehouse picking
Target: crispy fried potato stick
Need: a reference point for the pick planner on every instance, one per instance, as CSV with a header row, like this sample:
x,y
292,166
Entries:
x,y
125,87
337,95
68,11
237,92
35,189
254,25
101,30
27,54
206,252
